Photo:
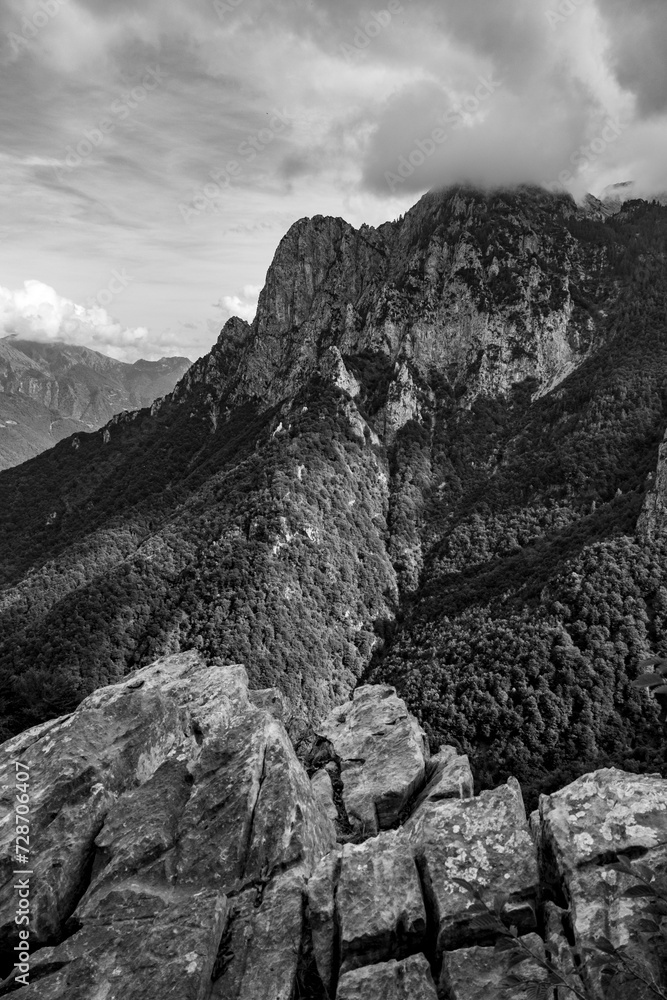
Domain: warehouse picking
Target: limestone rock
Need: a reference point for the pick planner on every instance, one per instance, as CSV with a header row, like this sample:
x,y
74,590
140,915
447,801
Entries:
x,y
401,291
484,840
382,752
606,812
584,827
323,790
379,902
480,973
264,942
155,804
333,367
118,737
140,942
448,777
322,916
409,979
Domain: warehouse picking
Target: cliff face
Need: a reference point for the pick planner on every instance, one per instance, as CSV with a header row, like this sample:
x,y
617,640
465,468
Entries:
x,y
180,849
50,391
471,289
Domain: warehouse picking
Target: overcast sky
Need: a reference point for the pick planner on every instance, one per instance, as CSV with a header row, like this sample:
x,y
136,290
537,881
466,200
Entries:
x,y
154,152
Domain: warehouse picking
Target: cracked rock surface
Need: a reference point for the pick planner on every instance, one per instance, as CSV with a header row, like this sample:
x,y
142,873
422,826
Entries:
x,y
382,751
181,851
156,806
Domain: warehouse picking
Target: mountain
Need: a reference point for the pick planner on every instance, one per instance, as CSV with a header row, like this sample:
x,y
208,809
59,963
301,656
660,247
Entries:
x,y
431,460
50,391
615,195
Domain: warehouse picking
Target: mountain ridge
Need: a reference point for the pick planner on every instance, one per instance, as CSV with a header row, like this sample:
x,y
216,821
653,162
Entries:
x,y
396,472
49,391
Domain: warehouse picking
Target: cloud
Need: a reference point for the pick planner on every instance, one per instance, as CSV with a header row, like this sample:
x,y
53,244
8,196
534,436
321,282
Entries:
x,y
362,88
637,47
243,305
37,312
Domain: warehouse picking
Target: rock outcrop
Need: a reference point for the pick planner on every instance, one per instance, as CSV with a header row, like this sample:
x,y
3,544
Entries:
x,y
169,803
653,518
179,849
422,294
382,753
582,830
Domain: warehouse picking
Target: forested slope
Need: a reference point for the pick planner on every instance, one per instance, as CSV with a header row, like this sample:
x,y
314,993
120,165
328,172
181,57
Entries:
x,y
424,462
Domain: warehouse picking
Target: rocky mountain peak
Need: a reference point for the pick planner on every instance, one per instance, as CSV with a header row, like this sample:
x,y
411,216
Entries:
x,y
472,287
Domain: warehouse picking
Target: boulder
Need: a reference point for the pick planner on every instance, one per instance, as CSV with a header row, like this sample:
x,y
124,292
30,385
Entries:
x,y
380,909
382,752
409,979
607,812
158,803
583,829
484,840
481,973
448,776
79,764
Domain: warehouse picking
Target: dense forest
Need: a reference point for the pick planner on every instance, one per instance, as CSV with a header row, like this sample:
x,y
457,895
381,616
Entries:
x,y
481,553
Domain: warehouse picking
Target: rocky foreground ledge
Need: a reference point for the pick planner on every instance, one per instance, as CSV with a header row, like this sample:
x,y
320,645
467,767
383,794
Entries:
x,y
181,850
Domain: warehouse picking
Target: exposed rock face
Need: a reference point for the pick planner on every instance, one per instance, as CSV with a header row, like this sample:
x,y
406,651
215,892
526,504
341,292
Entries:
x,y
653,518
180,850
481,973
168,801
584,828
382,752
420,294
49,391
407,980
449,777
323,790
484,840
379,902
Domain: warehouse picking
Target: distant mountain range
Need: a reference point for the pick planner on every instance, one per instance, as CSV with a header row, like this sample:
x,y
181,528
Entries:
x,y
49,391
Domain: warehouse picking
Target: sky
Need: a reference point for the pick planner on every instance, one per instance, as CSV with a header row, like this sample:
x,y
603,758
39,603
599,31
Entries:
x,y
154,152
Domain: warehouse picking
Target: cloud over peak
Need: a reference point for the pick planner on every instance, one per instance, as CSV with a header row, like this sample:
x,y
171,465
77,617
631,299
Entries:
x,y
38,312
